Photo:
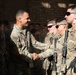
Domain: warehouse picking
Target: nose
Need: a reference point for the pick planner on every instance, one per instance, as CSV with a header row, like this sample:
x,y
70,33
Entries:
x,y
29,20
65,16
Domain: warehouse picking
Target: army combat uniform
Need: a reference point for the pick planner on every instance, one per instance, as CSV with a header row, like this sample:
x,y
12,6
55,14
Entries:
x,y
71,52
49,40
19,39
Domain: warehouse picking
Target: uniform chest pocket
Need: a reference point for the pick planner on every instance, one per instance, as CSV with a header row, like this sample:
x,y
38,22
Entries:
x,y
23,41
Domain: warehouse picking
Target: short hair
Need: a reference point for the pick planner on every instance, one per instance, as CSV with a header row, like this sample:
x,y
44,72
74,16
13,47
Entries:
x,y
72,7
60,19
19,13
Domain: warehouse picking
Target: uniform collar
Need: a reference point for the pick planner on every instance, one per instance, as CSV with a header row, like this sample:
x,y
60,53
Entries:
x,y
19,29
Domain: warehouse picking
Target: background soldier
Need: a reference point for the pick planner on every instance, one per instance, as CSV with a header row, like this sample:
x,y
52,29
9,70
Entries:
x,y
70,18
49,40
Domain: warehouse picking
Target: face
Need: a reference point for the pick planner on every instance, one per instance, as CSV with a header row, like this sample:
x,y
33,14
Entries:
x,y
60,27
74,23
51,28
25,19
69,16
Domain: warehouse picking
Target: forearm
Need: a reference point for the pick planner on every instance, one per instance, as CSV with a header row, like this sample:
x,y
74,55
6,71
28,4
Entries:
x,y
39,45
46,53
27,54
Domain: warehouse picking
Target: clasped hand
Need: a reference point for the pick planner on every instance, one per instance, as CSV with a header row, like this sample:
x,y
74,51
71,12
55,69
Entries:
x,y
35,56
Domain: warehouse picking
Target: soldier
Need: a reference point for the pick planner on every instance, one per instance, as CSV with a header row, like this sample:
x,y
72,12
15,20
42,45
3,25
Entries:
x,y
71,49
74,26
70,18
49,40
61,27
20,41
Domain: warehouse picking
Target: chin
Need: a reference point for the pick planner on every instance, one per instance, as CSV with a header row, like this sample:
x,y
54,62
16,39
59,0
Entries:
x,y
75,28
26,24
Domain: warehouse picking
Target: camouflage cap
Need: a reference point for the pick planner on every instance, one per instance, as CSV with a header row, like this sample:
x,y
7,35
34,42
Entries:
x,y
50,23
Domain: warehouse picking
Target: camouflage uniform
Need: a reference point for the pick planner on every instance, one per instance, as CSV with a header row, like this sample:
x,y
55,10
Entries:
x,y
19,40
49,40
71,53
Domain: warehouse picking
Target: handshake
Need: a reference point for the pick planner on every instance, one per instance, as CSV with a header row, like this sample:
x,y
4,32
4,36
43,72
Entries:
x,y
35,56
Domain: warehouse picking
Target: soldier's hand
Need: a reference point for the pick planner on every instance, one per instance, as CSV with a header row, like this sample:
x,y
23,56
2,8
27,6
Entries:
x,y
35,56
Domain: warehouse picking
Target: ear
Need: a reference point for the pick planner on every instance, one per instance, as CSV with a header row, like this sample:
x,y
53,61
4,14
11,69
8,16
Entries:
x,y
19,19
65,27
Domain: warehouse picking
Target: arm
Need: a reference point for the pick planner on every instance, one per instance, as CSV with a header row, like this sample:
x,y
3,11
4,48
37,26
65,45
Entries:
x,y
39,45
46,53
22,50
42,55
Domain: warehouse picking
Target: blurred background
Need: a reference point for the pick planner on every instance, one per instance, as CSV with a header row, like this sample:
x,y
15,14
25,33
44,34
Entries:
x,y
40,10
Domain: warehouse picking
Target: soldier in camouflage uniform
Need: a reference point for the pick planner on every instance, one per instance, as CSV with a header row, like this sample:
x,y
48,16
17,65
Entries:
x,y
71,61
70,18
20,41
49,40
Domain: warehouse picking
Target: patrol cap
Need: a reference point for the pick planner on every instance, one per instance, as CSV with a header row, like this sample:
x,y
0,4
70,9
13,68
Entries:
x,y
51,23
61,20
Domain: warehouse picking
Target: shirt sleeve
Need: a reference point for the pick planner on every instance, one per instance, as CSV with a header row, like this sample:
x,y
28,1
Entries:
x,y
46,53
39,45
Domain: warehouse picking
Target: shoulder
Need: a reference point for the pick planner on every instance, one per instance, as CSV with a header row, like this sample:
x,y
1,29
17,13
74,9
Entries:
x,y
14,33
48,35
70,29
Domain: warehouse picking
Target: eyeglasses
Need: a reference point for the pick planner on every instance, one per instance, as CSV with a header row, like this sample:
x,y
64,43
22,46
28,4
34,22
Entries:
x,y
57,26
68,13
49,26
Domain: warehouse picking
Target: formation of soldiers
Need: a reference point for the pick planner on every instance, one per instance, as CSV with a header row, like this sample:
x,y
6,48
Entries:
x,y
58,49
